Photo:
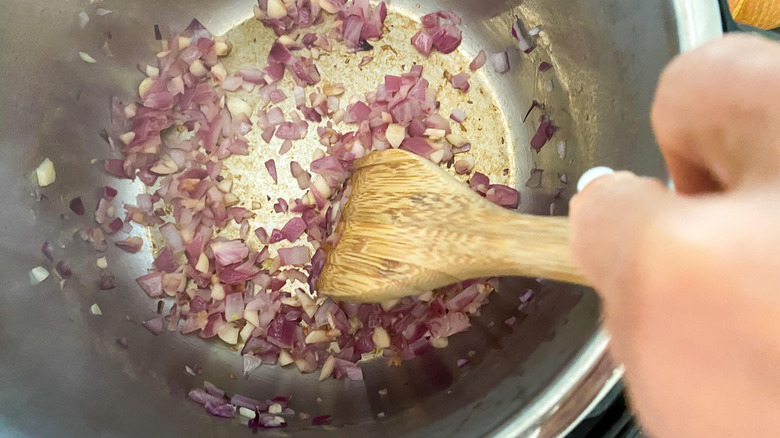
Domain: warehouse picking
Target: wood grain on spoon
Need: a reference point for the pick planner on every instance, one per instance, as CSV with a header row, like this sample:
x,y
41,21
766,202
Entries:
x,y
410,227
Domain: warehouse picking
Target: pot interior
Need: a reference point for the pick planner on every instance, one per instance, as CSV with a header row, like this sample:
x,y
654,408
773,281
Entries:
x,y
63,373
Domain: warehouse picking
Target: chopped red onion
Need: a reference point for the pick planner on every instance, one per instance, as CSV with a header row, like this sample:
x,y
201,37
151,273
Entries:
x,y
166,260
131,244
233,285
430,20
518,31
499,61
229,252
462,363
47,250
221,409
234,307
502,195
276,236
293,229
270,165
109,193
212,389
154,325
478,61
115,225
64,270
544,66
151,284
77,206
423,42
262,235
246,402
297,255
543,133
460,81
277,96
202,397
285,147
365,61
357,113
446,38
458,115
267,421
106,282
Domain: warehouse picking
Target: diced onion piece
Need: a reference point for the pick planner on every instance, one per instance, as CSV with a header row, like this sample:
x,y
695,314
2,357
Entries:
x,y
183,42
198,69
101,263
276,9
329,6
333,89
381,338
130,110
562,149
228,333
478,61
38,274
285,358
246,332
248,413
144,86
439,342
252,317
83,19
456,140
45,173
458,115
95,309
317,336
127,137
499,61
464,165
237,106
395,134
222,48
203,263
327,369
434,134
87,58
152,71
218,292
218,73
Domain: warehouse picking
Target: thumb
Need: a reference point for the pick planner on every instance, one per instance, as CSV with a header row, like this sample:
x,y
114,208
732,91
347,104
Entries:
x,y
610,219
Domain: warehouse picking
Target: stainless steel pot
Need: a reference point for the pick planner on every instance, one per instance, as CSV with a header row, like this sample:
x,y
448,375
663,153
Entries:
x,y
61,371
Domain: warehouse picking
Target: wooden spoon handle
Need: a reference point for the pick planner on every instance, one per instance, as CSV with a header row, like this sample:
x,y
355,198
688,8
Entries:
x,y
536,246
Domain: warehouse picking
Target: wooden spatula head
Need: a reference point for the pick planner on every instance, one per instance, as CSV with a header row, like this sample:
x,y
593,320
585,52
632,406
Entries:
x,y
410,227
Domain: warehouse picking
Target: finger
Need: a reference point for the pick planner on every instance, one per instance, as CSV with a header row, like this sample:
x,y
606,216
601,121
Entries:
x,y
715,115
607,218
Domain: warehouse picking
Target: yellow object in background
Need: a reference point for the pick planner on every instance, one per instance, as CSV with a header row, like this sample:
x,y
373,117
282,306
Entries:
x,y
762,14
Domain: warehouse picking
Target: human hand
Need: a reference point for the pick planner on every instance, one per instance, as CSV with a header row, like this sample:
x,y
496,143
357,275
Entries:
x,y
690,280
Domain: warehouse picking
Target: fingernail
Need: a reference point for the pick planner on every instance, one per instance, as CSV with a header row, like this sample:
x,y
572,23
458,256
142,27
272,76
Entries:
x,y
591,175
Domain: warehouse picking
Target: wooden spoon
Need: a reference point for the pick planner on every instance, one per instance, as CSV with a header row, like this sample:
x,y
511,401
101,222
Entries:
x,y
410,227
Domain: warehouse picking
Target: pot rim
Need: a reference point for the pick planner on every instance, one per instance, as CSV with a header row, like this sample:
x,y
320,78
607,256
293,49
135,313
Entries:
x,y
593,374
